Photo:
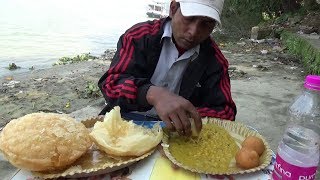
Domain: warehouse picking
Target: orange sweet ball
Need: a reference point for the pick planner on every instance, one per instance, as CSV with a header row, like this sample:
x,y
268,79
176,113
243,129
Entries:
x,y
254,143
247,158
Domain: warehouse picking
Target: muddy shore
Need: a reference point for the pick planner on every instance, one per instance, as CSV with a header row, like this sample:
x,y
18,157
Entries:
x,y
60,89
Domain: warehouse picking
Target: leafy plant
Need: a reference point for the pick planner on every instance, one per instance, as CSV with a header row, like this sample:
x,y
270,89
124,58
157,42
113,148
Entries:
x,y
76,59
92,90
13,66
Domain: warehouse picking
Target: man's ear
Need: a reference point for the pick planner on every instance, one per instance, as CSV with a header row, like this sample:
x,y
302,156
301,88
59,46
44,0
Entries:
x,y
173,8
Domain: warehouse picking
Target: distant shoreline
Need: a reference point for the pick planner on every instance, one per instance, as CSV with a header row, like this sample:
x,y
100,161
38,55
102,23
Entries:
x,y
5,72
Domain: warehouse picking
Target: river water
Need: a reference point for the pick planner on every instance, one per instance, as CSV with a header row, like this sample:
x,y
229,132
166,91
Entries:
x,y
38,32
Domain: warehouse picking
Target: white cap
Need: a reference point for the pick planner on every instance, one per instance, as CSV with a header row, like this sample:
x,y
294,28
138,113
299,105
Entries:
x,y
208,8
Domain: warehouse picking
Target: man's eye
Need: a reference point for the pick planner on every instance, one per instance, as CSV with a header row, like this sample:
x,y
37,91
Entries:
x,y
209,23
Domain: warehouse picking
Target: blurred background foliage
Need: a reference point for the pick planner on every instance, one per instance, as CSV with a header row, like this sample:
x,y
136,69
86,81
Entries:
x,y
239,16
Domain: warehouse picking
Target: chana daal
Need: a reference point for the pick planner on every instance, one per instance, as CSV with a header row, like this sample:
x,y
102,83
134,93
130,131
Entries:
x,y
212,151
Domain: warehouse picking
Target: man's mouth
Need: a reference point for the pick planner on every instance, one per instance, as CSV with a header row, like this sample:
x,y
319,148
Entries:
x,y
187,42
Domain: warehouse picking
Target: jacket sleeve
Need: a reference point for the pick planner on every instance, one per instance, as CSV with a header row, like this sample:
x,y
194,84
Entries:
x,y
127,81
215,91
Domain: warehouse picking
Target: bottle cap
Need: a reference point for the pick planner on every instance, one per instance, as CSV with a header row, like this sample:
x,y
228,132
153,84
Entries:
x,y
312,82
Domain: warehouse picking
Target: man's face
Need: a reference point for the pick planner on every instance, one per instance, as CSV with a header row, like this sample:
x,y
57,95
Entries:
x,y
189,31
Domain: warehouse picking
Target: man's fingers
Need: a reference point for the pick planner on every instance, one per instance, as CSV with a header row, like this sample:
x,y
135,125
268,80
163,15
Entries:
x,y
197,120
177,123
185,122
195,116
169,124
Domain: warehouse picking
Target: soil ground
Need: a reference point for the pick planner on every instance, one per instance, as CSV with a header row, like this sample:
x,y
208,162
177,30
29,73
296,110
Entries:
x,y
60,89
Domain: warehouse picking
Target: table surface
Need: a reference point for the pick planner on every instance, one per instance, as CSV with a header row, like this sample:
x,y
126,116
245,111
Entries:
x,y
157,167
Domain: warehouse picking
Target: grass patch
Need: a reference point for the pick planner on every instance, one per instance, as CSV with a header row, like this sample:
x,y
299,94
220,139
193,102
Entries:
x,y
76,59
309,55
89,91
92,90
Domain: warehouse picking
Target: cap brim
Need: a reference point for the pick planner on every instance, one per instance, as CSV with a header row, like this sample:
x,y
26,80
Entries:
x,y
196,9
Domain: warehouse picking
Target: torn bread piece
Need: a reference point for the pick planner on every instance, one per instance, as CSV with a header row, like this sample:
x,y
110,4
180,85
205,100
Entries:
x,y
119,137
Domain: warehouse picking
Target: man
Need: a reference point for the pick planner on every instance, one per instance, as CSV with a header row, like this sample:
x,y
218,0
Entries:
x,y
172,68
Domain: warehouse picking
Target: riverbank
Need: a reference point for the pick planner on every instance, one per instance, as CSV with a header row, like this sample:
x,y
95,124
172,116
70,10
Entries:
x,y
61,89
264,80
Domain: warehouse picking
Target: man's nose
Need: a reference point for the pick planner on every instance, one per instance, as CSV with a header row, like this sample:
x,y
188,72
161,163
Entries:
x,y
193,29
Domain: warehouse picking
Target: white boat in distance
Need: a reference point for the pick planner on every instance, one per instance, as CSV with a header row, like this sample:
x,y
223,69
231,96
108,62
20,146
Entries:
x,y
157,9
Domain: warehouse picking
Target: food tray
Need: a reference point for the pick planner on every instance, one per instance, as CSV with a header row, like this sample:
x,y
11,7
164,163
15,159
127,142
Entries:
x,y
239,132
93,162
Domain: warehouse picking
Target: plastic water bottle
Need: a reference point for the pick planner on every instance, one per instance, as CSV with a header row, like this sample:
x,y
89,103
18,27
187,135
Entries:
x,y
298,152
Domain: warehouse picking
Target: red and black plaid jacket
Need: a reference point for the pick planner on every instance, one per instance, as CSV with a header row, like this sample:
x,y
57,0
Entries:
x,y
205,83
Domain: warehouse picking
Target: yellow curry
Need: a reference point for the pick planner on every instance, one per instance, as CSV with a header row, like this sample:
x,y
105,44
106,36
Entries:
x,y
211,151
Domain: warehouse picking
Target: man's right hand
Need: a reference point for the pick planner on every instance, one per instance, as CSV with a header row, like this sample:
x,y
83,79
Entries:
x,y
174,110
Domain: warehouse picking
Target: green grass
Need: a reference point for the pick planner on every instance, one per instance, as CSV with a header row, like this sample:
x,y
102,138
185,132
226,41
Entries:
x,y
309,55
92,90
76,59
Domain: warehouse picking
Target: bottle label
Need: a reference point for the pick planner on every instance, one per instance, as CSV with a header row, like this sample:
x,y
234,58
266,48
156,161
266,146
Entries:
x,y
286,171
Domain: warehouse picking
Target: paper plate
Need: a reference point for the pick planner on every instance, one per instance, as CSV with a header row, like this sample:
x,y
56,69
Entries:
x,y
93,162
239,132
